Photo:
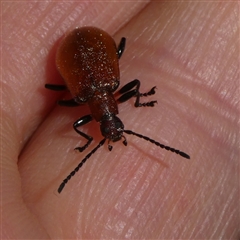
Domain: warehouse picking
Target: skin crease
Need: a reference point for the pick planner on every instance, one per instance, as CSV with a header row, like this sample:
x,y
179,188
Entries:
x,y
190,52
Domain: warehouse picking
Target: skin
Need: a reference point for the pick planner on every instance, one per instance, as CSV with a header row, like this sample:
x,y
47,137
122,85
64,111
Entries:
x,y
188,50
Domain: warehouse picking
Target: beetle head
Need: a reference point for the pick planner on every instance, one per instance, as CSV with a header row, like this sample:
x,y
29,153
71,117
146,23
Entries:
x,y
112,128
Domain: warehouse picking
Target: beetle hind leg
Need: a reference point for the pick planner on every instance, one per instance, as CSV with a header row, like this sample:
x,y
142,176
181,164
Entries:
x,y
68,103
121,47
55,87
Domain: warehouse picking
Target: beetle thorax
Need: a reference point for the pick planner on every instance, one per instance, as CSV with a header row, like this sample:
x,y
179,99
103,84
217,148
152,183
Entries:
x,y
102,104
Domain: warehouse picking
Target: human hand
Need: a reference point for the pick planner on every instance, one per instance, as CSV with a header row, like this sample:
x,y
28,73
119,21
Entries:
x,y
190,52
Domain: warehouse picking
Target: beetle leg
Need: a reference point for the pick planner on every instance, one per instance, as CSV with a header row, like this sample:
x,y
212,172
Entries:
x,y
65,103
55,87
127,93
81,121
121,47
68,103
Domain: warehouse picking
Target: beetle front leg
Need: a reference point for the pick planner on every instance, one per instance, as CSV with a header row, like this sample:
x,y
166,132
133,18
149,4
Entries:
x,y
127,93
83,120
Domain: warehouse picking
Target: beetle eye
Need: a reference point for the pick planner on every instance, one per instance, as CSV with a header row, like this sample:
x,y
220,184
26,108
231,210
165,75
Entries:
x,y
106,130
118,125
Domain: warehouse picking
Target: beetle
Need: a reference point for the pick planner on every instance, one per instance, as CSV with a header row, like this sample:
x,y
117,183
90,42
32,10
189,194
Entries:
x,y
88,61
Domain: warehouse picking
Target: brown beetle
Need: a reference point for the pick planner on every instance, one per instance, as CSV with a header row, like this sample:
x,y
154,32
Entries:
x,y
87,59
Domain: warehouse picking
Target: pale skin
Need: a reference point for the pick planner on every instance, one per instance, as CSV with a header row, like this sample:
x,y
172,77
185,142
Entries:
x,y
190,52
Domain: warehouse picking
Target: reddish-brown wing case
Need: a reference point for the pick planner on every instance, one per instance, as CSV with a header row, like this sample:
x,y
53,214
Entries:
x,y
87,59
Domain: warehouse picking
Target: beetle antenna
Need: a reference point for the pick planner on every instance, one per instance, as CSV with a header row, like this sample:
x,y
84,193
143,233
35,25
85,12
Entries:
x,y
183,154
80,165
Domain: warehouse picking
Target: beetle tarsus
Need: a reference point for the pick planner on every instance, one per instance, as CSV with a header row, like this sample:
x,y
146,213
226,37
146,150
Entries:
x,y
146,104
151,92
